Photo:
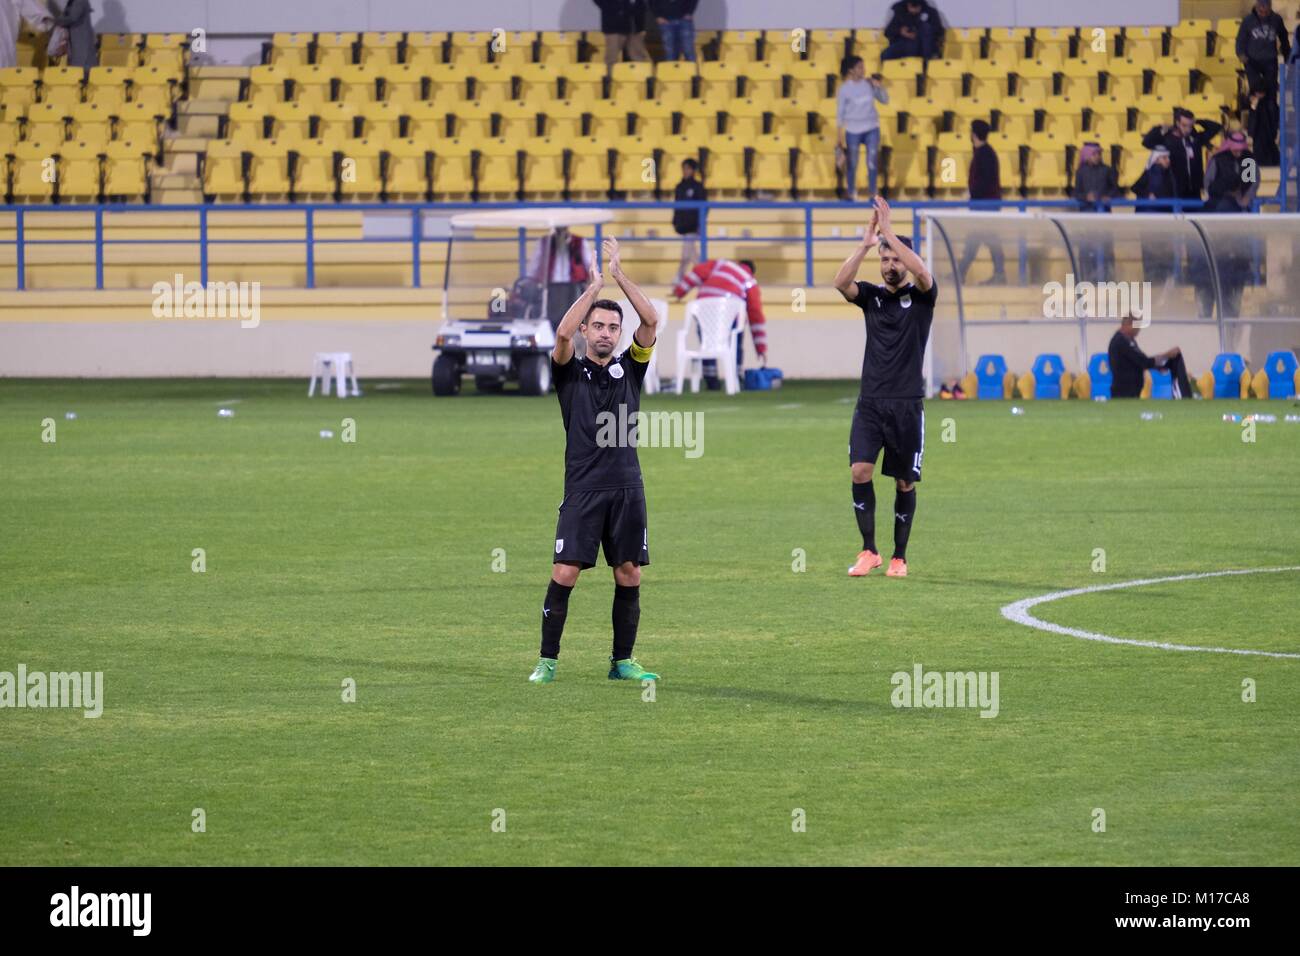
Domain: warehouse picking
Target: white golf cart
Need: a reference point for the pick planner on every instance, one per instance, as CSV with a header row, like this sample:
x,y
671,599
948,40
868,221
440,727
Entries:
x,y
495,331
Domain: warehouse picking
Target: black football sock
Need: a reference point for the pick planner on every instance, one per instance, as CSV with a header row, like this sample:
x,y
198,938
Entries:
x,y
626,615
904,513
864,509
554,611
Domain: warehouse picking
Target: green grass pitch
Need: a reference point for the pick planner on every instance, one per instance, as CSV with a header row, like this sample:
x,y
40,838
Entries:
x,y
374,561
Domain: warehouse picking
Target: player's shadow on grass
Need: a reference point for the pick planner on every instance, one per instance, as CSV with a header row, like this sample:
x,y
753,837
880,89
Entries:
x,y
778,697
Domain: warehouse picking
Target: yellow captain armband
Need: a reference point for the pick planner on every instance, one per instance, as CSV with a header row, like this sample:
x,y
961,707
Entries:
x,y
639,352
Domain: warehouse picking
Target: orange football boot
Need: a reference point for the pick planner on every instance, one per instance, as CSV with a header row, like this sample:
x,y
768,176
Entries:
x,y
866,561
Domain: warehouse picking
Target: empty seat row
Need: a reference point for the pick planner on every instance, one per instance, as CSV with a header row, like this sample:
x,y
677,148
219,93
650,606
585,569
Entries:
x,y
34,172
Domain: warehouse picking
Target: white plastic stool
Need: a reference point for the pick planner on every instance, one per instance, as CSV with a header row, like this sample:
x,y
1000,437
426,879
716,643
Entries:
x,y
336,366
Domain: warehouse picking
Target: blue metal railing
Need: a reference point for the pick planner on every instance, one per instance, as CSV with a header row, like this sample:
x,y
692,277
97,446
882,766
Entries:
x,y
417,211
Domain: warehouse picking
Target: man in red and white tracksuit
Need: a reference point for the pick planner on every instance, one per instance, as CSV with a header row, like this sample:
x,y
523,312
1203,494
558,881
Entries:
x,y
563,263
715,277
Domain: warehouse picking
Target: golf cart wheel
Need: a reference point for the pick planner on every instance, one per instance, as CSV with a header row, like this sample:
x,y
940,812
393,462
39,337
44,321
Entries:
x,y
490,385
446,376
535,374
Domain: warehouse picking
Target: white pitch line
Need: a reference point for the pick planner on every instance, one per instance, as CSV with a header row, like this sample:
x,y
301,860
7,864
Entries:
x,y
1019,613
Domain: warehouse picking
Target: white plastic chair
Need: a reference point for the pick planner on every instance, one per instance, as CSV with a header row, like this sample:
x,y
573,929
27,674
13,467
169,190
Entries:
x,y
632,322
336,366
714,318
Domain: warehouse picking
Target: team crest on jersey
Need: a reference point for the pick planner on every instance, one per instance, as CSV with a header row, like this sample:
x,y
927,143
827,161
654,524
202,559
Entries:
x,y
906,301
615,370
559,545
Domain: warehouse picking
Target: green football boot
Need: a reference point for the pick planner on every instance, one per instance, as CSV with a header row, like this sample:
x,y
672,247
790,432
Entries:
x,y
544,672
629,670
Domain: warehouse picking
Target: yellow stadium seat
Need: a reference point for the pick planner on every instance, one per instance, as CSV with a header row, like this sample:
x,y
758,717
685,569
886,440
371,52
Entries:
x,y
18,88
139,123
223,176
247,120
267,84
380,50
719,81
47,122
739,46
564,119
808,81
634,75
609,121
517,122
1064,126
80,171
381,121
583,81
771,164
335,50
408,170
268,172
724,164
473,121
537,82
634,169
126,170
558,48
699,120
493,83
745,118
653,120
62,84
764,81
589,174
107,85
166,51
290,49
153,85
783,47
358,84
311,84
426,121
91,123
119,49
512,48
904,170
424,50
453,169
34,171
869,44
336,121
313,170
815,171
469,49
8,139
827,48
290,122
1106,129
1046,171
360,169
543,169
403,83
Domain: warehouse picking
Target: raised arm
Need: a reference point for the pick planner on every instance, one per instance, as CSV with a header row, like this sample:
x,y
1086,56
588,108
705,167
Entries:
x,y
911,261
563,350
645,334
846,278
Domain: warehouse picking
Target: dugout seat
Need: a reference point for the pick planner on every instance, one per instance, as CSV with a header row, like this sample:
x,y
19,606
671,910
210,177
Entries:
x,y
1281,368
994,379
1100,376
1159,385
1227,371
1049,377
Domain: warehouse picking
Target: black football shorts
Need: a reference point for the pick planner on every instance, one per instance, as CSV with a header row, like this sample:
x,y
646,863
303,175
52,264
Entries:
x,y
897,425
613,519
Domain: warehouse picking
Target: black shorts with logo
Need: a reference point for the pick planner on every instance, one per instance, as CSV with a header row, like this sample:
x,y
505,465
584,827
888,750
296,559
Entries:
x,y
897,425
614,518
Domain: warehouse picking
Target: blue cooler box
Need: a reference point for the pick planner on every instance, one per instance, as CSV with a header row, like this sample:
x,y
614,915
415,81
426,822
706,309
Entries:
x,y
762,379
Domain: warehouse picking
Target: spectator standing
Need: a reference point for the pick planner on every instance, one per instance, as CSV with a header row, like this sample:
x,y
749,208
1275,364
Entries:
x,y
11,12
914,29
81,34
623,23
858,121
676,20
985,183
1094,186
725,277
686,222
1259,39
563,263
1186,144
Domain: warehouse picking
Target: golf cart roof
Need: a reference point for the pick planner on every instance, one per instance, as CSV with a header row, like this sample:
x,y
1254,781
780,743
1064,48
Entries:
x,y
530,218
